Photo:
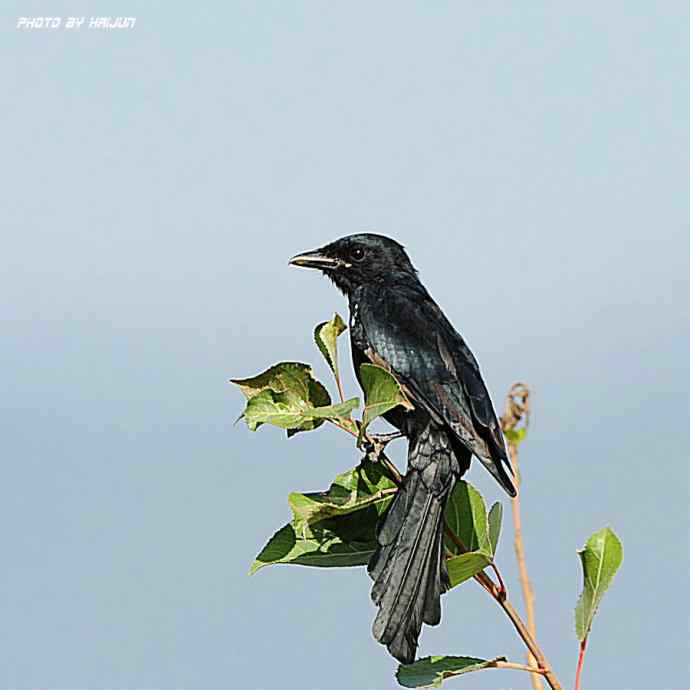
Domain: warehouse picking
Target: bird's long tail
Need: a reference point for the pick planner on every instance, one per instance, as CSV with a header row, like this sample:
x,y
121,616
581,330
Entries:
x,y
408,567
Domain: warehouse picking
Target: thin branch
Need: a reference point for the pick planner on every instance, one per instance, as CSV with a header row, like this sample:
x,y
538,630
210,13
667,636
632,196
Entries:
x,y
517,411
342,426
499,664
541,665
501,584
516,667
527,591
542,662
455,539
390,466
580,663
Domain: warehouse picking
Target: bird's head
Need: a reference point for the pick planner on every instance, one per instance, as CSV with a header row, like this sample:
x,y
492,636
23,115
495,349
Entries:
x,y
356,260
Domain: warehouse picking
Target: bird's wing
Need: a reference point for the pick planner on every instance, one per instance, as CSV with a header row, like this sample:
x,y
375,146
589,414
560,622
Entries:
x,y
407,332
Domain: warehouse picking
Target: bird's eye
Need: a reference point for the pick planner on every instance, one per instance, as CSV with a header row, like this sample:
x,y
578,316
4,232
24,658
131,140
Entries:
x,y
357,253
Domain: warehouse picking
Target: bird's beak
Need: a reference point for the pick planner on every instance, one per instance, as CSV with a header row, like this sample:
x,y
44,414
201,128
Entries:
x,y
315,259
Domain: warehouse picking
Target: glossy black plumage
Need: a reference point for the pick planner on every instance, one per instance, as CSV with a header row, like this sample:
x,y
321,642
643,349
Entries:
x,y
395,323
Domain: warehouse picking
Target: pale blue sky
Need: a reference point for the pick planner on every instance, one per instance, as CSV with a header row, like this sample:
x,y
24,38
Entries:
x,y
533,157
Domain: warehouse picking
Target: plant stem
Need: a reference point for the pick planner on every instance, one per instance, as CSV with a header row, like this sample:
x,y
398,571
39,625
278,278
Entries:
x,y
517,667
517,410
527,591
502,664
542,666
501,584
396,476
342,426
580,663
541,661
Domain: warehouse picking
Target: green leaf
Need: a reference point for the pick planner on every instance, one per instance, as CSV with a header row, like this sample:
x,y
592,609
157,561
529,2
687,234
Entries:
x,y
465,566
329,544
342,409
288,396
272,408
495,518
382,392
466,516
335,528
293,377
516,436
326,337
365,485
601,558
433,670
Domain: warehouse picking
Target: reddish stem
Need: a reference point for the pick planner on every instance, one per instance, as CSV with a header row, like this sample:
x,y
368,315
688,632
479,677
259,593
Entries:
x,y
503,592
580,663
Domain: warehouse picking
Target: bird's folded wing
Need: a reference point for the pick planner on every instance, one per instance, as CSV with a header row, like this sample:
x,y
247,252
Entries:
x,y
409,333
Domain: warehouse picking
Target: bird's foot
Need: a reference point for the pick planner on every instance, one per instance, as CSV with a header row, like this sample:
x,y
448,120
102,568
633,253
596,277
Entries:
x,y
385,439
374,444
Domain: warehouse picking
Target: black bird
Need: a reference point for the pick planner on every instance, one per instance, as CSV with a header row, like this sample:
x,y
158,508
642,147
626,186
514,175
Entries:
x,y
396,324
